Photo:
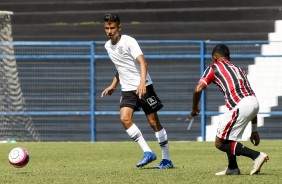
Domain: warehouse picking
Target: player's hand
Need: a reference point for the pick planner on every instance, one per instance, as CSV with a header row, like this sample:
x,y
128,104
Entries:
x,y
194,112
255,139
141,90
108,91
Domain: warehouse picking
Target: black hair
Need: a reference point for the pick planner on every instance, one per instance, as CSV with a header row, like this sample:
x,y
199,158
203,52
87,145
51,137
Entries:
x,y
112,18
222,50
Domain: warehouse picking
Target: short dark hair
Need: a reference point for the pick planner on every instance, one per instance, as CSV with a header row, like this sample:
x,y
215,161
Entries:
x,y
112,18
222,50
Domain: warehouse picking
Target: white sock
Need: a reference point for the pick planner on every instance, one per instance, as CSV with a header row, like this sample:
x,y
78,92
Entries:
x,y
137,136
162,139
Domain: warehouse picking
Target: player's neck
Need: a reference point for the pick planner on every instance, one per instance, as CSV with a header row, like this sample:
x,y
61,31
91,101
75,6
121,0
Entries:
x,y
116,40
223,59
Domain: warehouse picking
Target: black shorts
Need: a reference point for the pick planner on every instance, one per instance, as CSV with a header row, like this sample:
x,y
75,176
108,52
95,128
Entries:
x,y
150,103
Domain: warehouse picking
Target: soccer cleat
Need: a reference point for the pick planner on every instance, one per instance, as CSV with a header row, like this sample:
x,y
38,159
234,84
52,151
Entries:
x,y
165,164
147,158
258,162
228,171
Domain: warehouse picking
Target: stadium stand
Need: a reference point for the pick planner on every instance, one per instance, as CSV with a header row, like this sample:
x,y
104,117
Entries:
x,y
144,19
40,20
270,84
272,125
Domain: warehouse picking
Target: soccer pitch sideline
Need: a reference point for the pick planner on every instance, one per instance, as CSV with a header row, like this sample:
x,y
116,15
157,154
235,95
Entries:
x,y
114,162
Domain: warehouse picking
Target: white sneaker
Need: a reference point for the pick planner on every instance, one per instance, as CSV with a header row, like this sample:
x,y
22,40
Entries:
x,y
228,171
258,162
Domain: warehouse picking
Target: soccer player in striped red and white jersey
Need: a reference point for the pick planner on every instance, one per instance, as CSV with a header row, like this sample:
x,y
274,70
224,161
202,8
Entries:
x,y
243,107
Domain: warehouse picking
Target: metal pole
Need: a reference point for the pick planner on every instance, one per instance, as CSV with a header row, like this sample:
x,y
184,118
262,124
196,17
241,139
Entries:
x,y
203,97
92,90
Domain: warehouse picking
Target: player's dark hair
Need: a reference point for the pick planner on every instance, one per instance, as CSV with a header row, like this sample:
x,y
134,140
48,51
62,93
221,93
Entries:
x,y
112,18
222,50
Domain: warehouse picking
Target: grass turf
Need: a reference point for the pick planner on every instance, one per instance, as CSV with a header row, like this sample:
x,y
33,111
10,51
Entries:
x,y
114,162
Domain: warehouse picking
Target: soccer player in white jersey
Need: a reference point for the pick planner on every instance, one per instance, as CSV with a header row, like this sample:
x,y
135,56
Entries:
x,y
137,90
243,107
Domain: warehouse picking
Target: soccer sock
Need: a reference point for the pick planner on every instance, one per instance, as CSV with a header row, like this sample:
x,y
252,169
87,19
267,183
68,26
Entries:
x,y
137,136
240,149
236,148
232,161
163,142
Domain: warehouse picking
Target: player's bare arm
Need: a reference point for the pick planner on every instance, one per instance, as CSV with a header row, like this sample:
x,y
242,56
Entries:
x,y
196,99
255,139
109,90
141,90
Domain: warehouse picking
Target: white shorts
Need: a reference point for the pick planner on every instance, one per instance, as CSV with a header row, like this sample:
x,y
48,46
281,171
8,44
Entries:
x,y
233,123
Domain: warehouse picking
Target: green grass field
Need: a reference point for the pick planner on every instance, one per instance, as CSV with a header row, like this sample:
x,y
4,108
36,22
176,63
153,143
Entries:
x,y
114,162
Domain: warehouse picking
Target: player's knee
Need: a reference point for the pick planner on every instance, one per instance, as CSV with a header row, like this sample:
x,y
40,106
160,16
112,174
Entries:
x,y
217,145
156,126
125,119
153,123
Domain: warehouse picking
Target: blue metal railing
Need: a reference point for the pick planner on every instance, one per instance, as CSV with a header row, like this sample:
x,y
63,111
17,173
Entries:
x,y
90,55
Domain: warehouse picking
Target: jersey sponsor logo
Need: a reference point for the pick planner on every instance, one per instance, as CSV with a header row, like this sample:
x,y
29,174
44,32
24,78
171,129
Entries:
x,y
120,50
152,101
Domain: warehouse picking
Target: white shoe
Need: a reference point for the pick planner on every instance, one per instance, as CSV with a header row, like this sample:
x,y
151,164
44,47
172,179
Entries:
x,y
258,162
228,171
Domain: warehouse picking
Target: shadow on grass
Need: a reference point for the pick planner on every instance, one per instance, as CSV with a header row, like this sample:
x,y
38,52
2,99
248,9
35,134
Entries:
x,y
146,168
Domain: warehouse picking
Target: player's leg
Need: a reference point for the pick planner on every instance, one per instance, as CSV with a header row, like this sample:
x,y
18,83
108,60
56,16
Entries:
x,y
131,129
235,148
227,147
151,104
162,139
232,168
231,128
128,105
232,161
134,132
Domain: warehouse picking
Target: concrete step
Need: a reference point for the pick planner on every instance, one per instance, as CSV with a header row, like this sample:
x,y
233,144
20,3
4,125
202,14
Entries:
x,y
236,30
151,28
203,36
272,49
152,15
279,105
276,36
278,26
46,6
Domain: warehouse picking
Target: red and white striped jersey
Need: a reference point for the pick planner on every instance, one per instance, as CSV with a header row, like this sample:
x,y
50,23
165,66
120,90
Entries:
x,y
231,80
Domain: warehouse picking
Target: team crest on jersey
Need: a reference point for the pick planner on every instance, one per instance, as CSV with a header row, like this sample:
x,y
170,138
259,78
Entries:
x,y
152,101
120,50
